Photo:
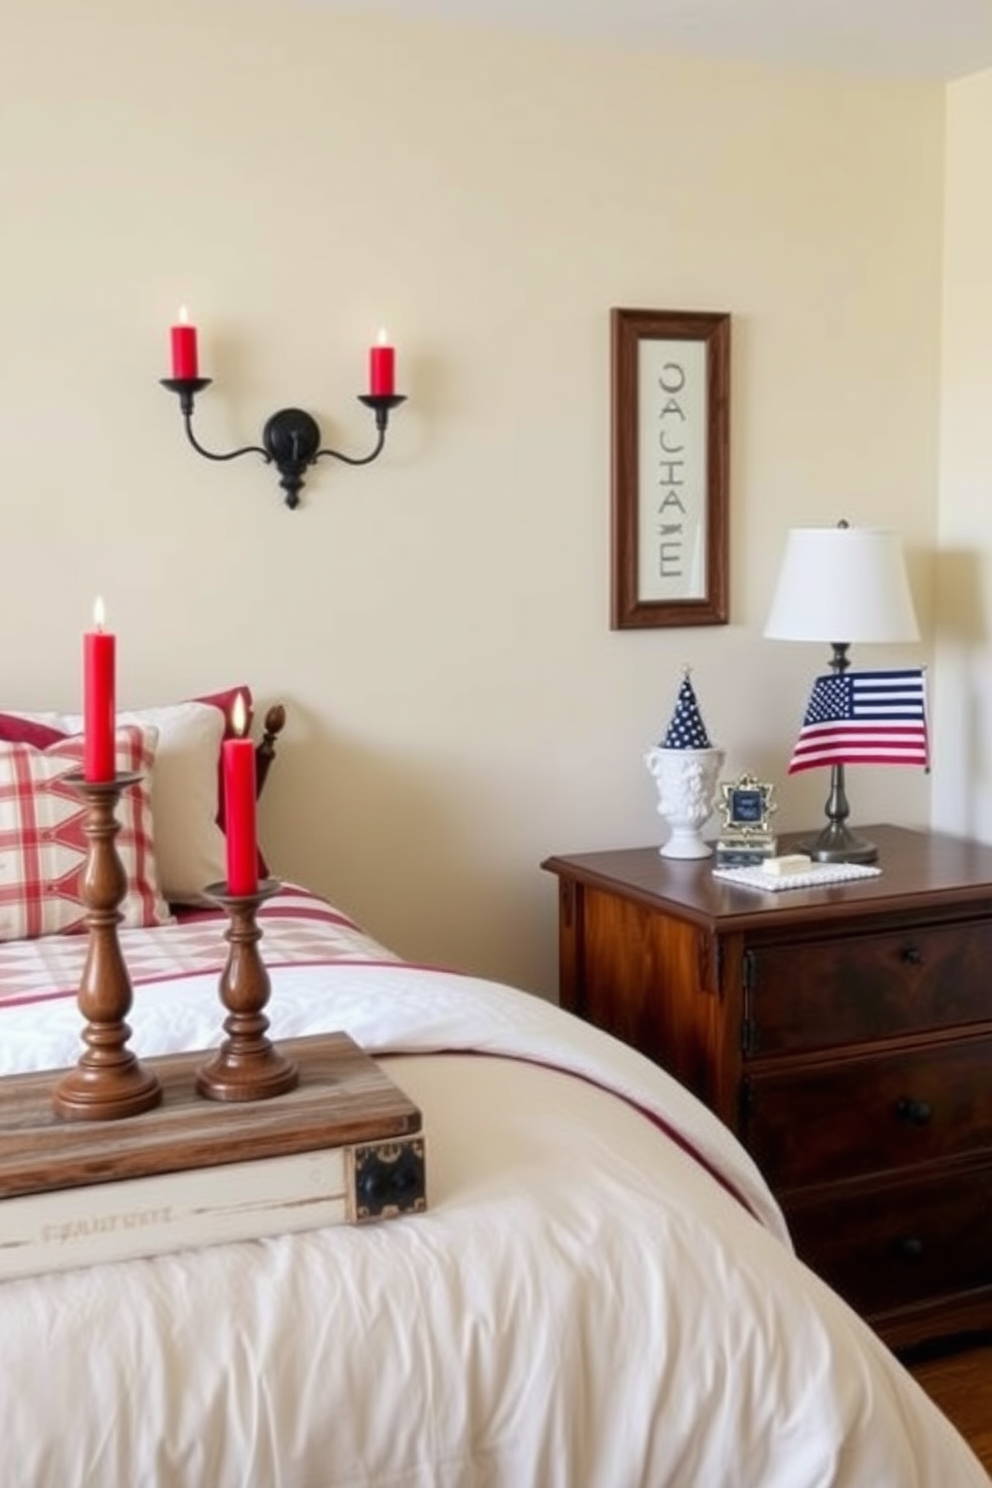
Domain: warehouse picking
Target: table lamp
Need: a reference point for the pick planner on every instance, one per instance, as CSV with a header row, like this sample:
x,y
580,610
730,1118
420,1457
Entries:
x,y
850,582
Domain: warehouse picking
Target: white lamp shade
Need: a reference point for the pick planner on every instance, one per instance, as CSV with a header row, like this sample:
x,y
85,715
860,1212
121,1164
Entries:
x,y
842,584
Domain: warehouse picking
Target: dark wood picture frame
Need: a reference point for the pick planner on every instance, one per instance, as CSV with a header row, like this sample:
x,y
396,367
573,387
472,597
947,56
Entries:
x,y
670,478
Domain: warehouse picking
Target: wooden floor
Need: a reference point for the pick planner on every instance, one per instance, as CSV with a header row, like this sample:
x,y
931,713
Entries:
x,y
961,1384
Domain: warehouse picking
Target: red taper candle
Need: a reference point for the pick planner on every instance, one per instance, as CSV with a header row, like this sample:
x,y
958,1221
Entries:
x,y
382,367
185,355
239,807
99,664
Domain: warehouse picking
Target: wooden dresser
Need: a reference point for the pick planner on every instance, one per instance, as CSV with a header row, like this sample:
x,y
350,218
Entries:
x,y
845,1035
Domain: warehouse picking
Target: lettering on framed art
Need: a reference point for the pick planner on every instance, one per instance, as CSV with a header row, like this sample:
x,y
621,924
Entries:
x,y
671,428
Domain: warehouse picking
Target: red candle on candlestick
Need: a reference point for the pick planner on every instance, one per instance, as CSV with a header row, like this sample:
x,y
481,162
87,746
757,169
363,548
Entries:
x,y
99,662
382,367
239,807
185,356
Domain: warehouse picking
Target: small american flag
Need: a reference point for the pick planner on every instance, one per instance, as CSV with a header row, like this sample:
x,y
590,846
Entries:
x,y
864,718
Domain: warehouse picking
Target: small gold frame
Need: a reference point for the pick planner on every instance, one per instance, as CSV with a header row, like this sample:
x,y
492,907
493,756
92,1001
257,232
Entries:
x,y
746,806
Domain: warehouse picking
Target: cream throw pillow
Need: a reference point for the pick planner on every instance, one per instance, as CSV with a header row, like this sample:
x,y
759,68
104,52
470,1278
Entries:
x,y
190,846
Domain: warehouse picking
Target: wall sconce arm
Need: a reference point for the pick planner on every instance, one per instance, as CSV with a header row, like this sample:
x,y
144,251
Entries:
x,y
290,438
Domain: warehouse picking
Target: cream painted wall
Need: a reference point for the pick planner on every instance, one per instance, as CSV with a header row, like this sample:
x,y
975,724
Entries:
x,y
962,798
438,623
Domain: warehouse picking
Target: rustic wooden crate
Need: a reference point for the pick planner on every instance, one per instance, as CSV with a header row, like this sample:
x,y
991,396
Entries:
x,y
345,1146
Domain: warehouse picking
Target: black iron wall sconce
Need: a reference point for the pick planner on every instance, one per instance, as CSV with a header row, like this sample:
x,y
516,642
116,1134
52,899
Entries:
x,y
291,438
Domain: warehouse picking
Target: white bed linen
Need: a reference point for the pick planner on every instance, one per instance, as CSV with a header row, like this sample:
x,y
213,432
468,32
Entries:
x,y
582,1306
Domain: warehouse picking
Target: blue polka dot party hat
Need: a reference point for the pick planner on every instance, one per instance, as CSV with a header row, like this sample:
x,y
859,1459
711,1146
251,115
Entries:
x,y
686,729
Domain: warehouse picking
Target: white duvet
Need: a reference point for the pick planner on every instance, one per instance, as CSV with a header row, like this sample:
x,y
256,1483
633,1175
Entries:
x,y
584,1305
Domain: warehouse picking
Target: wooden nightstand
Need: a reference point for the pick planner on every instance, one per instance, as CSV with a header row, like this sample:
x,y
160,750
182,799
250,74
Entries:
x,y
844,1034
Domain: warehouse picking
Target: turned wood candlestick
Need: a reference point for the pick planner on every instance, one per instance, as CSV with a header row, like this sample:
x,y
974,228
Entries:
x,y
107,1081
246,1067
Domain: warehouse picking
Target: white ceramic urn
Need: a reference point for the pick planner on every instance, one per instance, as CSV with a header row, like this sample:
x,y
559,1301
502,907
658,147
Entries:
x,y
687,786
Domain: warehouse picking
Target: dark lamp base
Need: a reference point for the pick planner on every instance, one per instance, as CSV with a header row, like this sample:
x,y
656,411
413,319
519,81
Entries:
x,y
835,844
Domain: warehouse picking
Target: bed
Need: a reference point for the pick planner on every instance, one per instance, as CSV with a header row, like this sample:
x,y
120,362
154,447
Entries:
x,y
600,1294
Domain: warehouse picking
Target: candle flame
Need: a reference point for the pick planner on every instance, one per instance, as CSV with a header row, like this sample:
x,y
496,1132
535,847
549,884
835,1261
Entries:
x,y
239,715
183,315
99,613
383,338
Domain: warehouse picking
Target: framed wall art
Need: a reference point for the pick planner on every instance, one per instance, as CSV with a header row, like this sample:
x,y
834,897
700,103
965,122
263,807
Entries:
x,y
671,437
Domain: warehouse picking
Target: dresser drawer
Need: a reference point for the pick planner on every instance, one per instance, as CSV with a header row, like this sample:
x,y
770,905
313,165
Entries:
x,y
900,1244
858,988
841,1120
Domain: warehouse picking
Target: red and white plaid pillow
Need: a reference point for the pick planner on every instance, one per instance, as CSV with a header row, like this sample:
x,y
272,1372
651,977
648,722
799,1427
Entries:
x,y
43,847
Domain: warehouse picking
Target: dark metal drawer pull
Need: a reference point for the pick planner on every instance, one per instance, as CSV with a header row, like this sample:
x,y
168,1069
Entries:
x,y
913,956
915,1112
910,1247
